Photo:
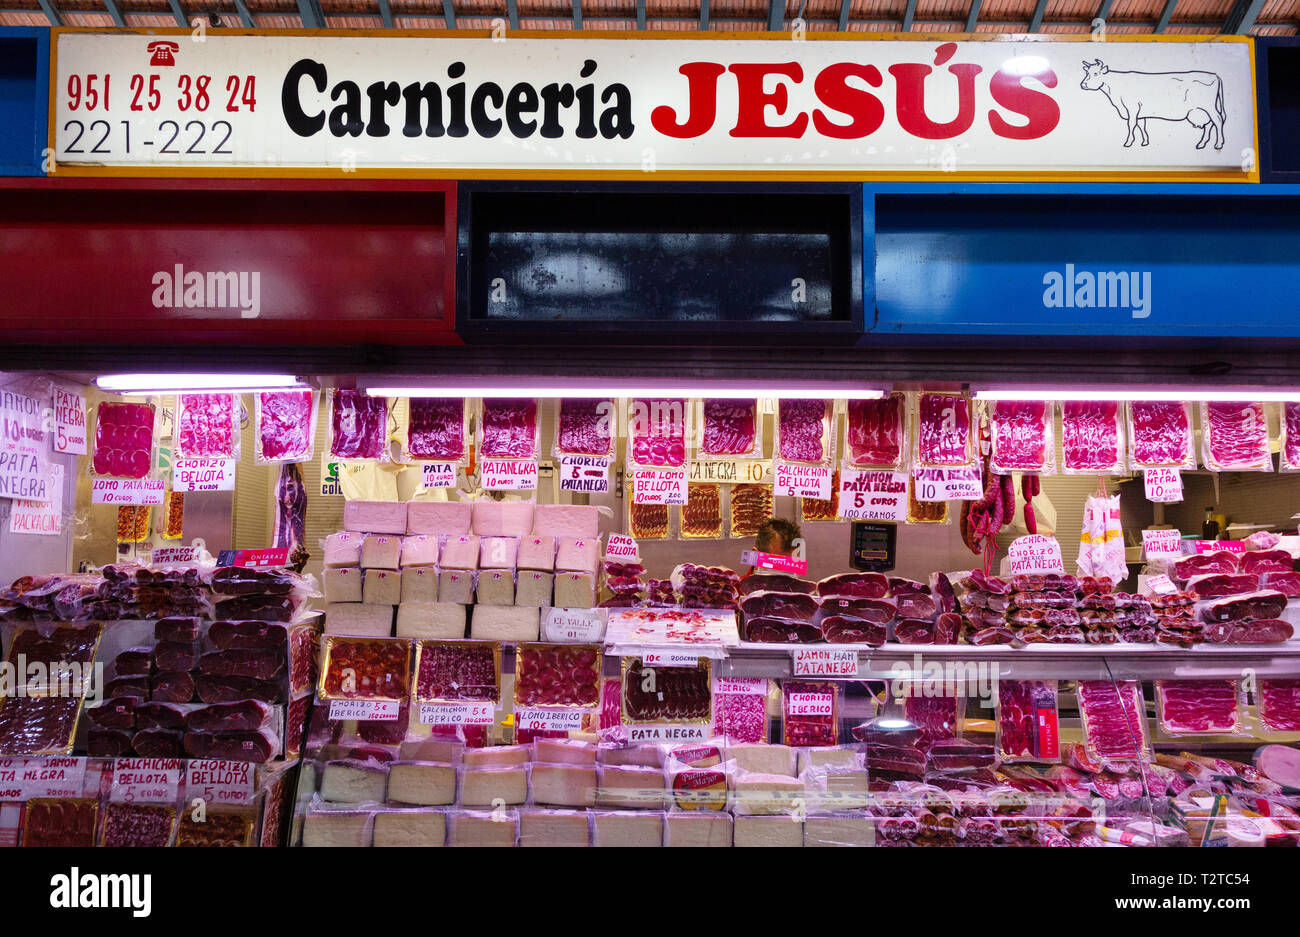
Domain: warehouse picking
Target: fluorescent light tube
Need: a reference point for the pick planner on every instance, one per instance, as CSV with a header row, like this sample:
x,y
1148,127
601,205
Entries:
x,y
1133,393
599,388
172,383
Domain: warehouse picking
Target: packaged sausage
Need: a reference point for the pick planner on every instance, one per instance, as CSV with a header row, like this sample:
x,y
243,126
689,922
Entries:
x,y
586,426
1160,435
648,521
810,712
818,509
657,430
285,422
875,433
729,429
437,430
1092,437
207,426
701,516
944,436
1027,714
1022,437
751,505
358,426
803,432
1234,437
126,438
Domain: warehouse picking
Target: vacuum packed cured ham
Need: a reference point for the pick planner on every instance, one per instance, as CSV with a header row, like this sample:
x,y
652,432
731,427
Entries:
x,y
358,426
1235,437
803,431
207,426
943,430
437,429
1198,707
730,428
1114,720
585,427
286,425
875,432
1092,437
1161,432
508,428
1022,437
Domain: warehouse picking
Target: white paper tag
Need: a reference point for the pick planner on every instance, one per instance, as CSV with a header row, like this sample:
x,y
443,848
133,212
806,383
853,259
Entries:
x,y
741,686
509,475
1164,485
457,714
174,555
540,719
146,780
438,475
23,458
584,473
574,625
69,423
203,475
1161,585
346,709
948,484
660,486
622,548
810,704
219,782
873,496
1162,544
670,659
825,662
33,517
732,471
666,733
24,778
127,490
791,480
1035,554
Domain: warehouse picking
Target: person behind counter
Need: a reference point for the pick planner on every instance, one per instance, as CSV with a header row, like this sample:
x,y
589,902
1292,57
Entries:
x,y
776,536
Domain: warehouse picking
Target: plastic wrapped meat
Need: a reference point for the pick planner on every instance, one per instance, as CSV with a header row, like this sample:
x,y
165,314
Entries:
x,y
360,668
138,825
775,582
508,428
290,529
286,425
1262,540
557,675
1286,583
1279,705
680,693
943,430
38,726
176,686
874,434
1114,720
1291,436
461,671
1217,585
1250,631
822,509
1267,561
207,426
1221,561
124,440
915,605
701,516
741,717
1022,437
157,743
229,635
586,427
788,606
914,631
1092,437
1019,702
243,716
751,505
1161,433
256,747
876,611
212,689
803,431
781,631
259,663
657,432
51,821
730,428
845,629
358,426
1198,707
800,729
437,430
935,716
1235,437
649,521
853,586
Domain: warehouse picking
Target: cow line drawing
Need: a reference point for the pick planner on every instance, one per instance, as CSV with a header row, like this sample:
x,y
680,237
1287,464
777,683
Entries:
x,y
1196,97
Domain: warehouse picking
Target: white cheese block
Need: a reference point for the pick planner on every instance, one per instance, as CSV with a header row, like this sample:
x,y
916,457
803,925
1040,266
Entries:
x,y
419,550
498,552
375,517
336,828
581,554
343,549
761,758
350,782
342,585
502,518
456,585
383,587
430,620
767,794
839,831
564,752
534,588
424,783
553,828
651,756
627,828
381,553
566,520
410,828
496,587
767,831
574,590
420,584
481,786
826,757
363,621
460,552
438,517
630,786
536,553
477,828
505,623
564,785
697,829
497,756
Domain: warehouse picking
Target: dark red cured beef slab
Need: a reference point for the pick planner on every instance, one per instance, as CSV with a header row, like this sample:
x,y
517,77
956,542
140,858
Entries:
x,y
259,607
1280,705
173,655
877,754
137,825
285,428
64,644
247,635
157,743
943,429
240,580
108,743
171,686
295,724
1254,631
841,629
1090,435
789,606
915,605
874,431
1258,605
899,586
874,734
936,717
1162,433
176,629
977,581
256,747
1286,583
1218,585
212,689
944,596
154,715
60,822
465,671
259,664
1267,561
358,425
113,714
961,762
585,425
853,586
1020,435
877,611
992,635
1236,435
800,428
947,628
383,731
509,428
779,631
133,662
123,440
137,687
1220,561
437,429
914,631
729,427
634,570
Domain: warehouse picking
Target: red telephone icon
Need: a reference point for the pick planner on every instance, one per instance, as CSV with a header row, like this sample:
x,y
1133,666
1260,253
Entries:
x,y
163,53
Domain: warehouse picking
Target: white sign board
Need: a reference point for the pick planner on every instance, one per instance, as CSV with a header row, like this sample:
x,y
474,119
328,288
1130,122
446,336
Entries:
x,y
35,517
23,466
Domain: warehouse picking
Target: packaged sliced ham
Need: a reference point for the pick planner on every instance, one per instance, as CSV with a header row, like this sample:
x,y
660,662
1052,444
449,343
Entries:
x,y
701,516
656,432
730,429
943,431
1114,719
1234,437
1279,705
1021,704
803,431
1199,707
875,433
1092,437
586,426
509,428
438,429
1290,459
358,426
125,440
286,426
650,521
1160,435
1022,437
207,426
751,505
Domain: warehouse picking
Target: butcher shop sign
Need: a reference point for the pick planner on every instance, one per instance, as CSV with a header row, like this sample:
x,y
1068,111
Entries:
x,y
611,106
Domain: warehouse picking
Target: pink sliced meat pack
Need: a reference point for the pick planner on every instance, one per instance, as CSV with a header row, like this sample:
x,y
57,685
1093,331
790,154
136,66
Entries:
x,y
657,432
730,428
206,427
124,440
508,428
585,427
1291,436
286,426
1234,437
1092,437
1161,435
875,433
1198,707
803,431
437,429
1022,437
943,431
358,426
1114,719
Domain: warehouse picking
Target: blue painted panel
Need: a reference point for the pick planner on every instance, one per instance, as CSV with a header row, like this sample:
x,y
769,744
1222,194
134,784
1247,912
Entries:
x,y
981,264
24,97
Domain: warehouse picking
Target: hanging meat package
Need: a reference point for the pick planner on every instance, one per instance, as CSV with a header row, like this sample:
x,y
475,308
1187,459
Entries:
x,y
657,433
207,426
803,431
124,440
1160,434
943,431
437,429
1022,437
508,428
1290,460
286,425
358,426
585,427
701,516
1234,437
730,429
875,433
1092,437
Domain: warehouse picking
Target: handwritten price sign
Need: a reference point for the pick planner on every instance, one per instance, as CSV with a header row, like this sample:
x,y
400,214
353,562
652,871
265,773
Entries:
x,y
127,491
1035,554
1164,485
873,496
537,719
457,714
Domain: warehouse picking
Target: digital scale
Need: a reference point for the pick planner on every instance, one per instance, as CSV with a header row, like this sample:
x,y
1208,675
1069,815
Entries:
x,y
873,547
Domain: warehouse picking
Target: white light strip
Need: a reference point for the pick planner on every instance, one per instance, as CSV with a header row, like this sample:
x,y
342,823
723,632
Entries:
x,y
171,383
1132,393
613,388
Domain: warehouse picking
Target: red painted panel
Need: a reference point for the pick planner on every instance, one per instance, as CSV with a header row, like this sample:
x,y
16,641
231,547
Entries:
x,y
269,261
